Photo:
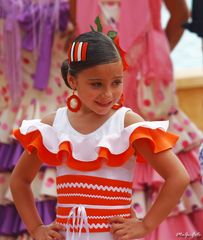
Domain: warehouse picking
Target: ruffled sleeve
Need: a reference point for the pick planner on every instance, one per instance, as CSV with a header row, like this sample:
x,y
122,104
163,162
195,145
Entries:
x,y
35,135
86,153
159,139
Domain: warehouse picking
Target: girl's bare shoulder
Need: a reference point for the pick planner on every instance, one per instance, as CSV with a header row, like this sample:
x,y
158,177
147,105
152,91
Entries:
x,y
131,118
49,119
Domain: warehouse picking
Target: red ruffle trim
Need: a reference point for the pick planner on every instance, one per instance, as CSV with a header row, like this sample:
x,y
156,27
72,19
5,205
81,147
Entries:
x,y
159,139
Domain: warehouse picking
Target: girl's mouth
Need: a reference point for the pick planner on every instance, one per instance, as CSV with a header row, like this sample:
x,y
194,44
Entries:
x,y
103,104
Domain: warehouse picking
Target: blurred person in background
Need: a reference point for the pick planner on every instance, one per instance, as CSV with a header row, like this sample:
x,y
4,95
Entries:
x,y
174,29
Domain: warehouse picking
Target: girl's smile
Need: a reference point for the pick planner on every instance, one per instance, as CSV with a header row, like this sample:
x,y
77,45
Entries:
x,y
102,104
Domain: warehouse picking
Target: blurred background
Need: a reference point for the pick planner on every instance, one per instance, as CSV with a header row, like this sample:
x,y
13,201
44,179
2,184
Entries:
x,y
187,54
34,38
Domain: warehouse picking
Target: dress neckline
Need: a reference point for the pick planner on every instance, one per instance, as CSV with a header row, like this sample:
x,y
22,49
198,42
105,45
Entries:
x,y
93,132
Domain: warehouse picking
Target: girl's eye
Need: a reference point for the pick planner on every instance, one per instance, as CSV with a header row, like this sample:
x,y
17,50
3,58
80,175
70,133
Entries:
x,y
117,82
96,84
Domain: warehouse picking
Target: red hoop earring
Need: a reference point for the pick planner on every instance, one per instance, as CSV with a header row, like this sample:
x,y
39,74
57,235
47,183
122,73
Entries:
x,y
73,102
119,104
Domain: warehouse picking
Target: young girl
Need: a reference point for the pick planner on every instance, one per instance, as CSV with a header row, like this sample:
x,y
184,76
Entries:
x,y
93,142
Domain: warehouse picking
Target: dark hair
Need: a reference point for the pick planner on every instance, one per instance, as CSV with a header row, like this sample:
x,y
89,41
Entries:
x,y
100,50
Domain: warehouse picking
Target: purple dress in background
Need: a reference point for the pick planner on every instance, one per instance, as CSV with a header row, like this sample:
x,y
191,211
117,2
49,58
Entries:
x,y
38,23
11,224
32,28
9,155
12,47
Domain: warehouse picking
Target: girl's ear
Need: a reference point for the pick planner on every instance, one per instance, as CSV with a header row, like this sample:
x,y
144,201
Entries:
x,y
72,81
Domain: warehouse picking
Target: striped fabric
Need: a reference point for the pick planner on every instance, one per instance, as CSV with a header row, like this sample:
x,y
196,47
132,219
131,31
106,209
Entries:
x,y
102,199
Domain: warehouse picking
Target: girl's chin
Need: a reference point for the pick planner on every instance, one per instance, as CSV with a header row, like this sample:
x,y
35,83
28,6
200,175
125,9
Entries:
x,y
102,110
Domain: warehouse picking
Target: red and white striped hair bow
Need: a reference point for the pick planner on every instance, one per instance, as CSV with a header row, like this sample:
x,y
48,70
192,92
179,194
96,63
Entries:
x,y
77,52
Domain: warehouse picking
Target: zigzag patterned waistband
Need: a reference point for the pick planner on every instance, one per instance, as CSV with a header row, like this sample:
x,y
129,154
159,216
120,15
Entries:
x,y
97,219
99,198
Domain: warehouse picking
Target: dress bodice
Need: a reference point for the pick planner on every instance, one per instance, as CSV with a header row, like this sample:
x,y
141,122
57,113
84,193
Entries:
x,y
94,171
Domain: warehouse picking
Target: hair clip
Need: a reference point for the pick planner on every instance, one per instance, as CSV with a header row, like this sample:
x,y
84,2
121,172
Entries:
x,y
77,52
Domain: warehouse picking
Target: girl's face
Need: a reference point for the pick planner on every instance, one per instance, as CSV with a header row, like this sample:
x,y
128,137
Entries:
x,y
99,87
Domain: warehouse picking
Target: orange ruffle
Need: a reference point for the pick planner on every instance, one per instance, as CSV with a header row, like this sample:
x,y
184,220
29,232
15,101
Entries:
x,y
159,139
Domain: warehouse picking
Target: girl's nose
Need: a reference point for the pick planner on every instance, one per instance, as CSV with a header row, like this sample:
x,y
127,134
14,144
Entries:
x,y
107,93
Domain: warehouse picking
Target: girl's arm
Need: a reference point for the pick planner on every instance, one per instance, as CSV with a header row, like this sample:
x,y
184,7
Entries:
x,y
176,180
20,184
21,179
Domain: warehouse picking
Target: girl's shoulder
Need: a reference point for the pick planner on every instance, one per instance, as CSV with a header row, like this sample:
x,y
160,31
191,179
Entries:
x,y
49,119
131,118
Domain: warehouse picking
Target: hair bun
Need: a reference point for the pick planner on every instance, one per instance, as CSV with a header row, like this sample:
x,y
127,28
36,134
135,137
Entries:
x,y
64,72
